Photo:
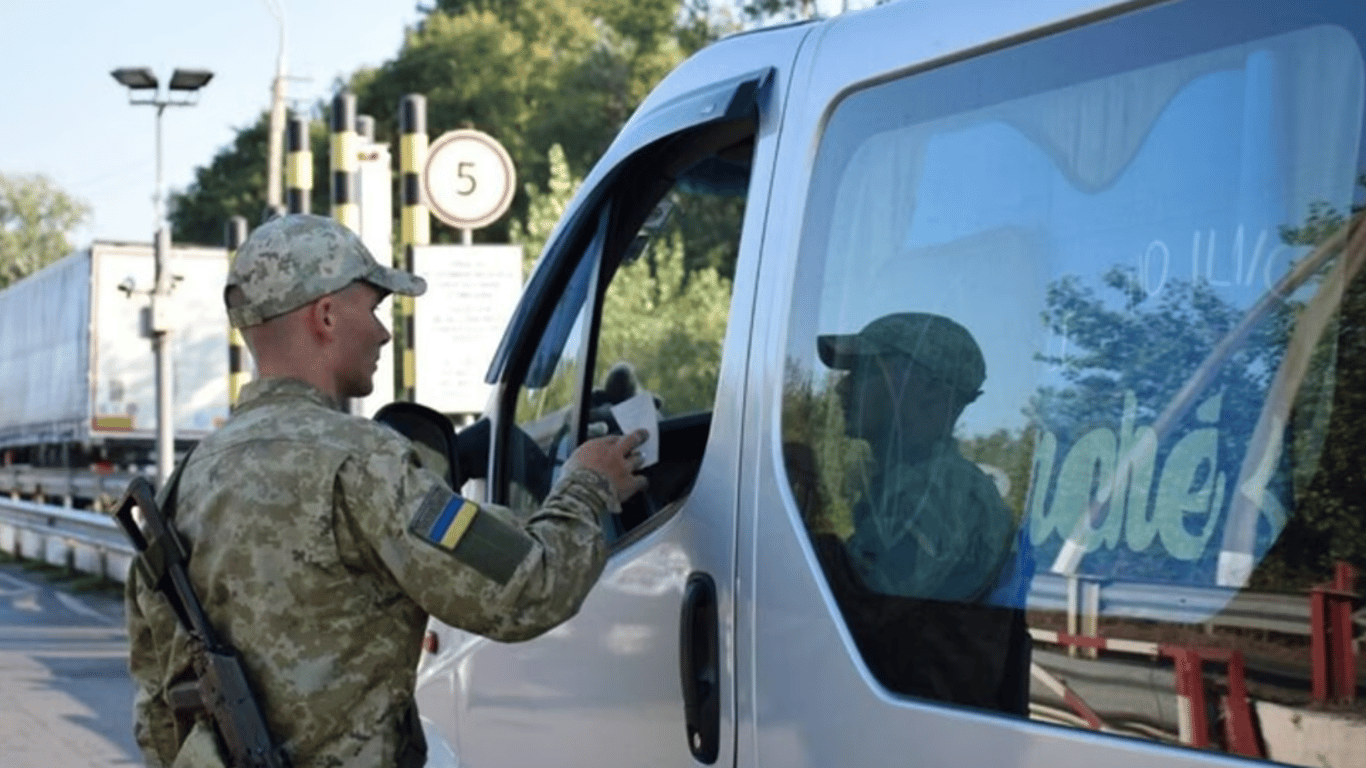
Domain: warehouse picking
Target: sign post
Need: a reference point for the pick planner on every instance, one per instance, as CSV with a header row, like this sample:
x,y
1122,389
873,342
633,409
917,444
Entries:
x,y
467,182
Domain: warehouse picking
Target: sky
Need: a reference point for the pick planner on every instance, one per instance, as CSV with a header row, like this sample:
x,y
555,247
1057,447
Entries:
x,y
64,116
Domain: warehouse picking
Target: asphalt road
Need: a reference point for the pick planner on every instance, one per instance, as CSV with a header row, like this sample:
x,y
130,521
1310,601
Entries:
x,y
65,694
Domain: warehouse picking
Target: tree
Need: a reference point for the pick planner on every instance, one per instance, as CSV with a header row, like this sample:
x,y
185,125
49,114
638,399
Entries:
x,y
1329,520
764,11
35,220
664,319
234,184
532,73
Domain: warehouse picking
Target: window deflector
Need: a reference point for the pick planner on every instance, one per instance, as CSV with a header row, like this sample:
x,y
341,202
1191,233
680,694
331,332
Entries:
x,y
731,99
587,345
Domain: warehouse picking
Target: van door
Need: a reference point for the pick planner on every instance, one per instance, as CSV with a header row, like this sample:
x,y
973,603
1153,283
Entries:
x,y
1055,431
642,302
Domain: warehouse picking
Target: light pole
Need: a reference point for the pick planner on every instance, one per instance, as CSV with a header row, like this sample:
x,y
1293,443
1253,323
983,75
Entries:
x,y
143,88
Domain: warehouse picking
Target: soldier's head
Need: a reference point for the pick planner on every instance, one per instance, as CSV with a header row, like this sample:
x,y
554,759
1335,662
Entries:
x,y
908,372
303,289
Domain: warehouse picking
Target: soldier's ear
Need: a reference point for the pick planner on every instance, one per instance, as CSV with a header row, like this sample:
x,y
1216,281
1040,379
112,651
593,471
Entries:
x,y
320,318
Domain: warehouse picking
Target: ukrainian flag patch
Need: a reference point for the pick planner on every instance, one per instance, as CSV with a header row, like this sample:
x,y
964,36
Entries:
x,y
444,522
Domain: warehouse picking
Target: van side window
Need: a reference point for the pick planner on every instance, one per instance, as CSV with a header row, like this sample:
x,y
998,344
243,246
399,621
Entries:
x,y
1089,333
659,278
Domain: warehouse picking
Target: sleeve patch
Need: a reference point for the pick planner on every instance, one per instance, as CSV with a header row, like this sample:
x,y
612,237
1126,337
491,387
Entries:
x,y
444,518
483,541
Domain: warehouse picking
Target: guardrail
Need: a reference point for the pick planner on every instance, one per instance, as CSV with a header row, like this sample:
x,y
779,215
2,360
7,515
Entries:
x,y
1084,600
87,542
91,542
67,485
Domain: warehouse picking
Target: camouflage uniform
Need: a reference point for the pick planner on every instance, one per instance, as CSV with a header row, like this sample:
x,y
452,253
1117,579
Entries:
x,y
319,547
905,544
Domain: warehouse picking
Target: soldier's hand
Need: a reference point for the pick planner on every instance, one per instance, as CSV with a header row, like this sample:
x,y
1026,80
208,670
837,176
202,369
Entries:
x,y
614,457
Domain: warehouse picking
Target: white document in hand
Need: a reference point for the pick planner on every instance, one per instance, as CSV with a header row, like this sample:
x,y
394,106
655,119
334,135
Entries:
x,y
638,412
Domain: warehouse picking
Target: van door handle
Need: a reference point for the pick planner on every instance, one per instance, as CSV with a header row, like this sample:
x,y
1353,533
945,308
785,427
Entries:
x,y
699,668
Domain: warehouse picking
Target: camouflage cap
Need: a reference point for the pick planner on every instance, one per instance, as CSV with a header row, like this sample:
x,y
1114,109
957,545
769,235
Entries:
x,y
294,259
939,344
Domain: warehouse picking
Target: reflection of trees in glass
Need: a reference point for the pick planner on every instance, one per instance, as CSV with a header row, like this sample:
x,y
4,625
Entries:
x,y
1009,452
1126,356
1329,520
824,466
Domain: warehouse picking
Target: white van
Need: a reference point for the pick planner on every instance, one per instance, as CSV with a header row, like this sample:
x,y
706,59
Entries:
x,y
1008,359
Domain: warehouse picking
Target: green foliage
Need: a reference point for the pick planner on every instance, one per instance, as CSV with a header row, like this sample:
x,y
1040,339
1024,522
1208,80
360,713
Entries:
x,y
826,469
1148,349
764,11
701,22
1012,453
234,184
668,324
532,73
544,209
1329,520
35,219
1126,341
662,316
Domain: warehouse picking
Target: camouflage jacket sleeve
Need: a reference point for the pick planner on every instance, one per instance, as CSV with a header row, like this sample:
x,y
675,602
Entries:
x,y
476,566
154,726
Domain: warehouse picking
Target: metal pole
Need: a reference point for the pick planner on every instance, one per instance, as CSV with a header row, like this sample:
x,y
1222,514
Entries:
x,y
342,160
277,119
234,233
299,167
161,329
415,229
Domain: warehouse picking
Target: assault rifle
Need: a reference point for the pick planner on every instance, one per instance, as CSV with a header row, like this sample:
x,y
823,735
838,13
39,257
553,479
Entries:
x,y
221,683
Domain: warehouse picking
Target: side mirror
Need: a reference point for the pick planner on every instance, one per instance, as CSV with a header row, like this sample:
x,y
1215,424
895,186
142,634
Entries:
x,y
431,432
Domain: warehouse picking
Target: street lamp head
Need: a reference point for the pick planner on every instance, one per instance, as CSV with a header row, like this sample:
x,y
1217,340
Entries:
x,y
135,78
189,79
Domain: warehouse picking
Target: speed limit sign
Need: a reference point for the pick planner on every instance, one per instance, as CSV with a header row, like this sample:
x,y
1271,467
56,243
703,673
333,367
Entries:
x,y
468,180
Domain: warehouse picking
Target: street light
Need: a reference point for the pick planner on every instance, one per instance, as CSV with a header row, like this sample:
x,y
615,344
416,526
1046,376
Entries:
x,y
144,88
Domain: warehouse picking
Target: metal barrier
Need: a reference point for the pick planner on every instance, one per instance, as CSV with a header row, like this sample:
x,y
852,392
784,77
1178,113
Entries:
x,y
1210,606
67,485
1333,639
83,541
1193,727
90,542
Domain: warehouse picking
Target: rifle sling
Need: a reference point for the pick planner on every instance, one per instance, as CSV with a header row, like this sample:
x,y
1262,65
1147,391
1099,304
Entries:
x,y
160,553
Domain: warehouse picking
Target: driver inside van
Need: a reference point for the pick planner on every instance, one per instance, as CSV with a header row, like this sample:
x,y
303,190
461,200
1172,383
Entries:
x,y
929,580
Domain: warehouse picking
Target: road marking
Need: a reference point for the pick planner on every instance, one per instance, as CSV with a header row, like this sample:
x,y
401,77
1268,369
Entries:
x,y
75,605
17,586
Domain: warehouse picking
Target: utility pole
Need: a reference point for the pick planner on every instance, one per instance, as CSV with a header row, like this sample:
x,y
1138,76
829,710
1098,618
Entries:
x,y
274,196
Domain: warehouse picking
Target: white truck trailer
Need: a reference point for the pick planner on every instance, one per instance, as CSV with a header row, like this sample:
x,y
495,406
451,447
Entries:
x,y
77,373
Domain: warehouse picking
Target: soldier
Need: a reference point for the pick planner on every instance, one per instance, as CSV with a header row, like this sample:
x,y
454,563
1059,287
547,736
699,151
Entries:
x,y
929,581
320,544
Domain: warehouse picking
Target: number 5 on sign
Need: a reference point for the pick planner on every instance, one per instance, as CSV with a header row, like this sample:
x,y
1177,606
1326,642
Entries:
x,y
465,172
469,180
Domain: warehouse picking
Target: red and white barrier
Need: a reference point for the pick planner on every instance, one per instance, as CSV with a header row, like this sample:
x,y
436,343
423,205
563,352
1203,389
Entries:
x,y
1240,731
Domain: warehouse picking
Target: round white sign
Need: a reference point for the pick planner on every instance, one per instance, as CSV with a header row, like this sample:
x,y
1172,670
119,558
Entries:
x,y
468,180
